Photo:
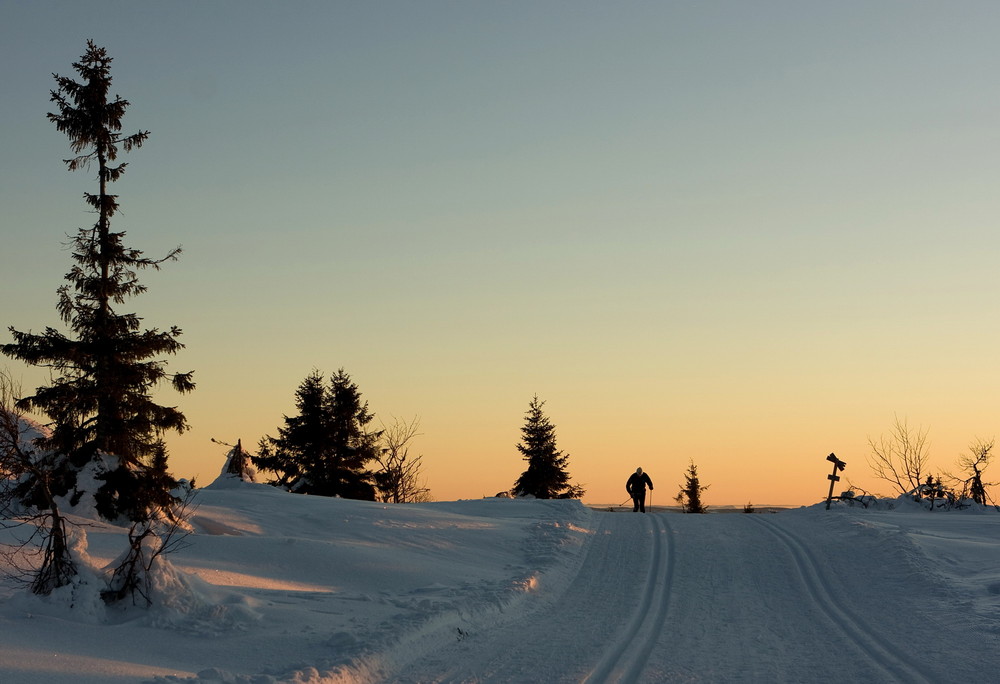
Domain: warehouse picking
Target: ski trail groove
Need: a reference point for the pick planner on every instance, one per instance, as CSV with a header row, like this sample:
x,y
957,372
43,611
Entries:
x,y
881,652
625,660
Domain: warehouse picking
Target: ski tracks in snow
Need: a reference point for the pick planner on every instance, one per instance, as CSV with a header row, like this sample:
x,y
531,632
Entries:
x,y
626,658
882,654
667,598
599,625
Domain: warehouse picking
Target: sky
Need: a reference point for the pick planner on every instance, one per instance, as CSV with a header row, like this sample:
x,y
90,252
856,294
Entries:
x,y
741,234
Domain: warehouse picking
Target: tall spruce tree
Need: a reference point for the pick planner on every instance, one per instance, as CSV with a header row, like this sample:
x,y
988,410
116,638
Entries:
x,y
546,476
324,450
104,371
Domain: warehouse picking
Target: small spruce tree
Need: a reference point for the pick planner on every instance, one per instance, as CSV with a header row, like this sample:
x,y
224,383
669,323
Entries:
x,y
238,464
546,476
689,496
104,372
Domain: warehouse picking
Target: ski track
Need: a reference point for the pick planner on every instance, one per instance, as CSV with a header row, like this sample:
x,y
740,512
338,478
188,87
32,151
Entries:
x,y
657,598
625,660
883,655
608,618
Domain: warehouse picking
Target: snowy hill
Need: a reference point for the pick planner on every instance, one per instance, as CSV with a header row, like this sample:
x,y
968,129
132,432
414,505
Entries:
x,y
275,587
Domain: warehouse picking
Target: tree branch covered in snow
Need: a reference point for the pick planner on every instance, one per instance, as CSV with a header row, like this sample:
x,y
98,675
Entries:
x,y
134,572
42,558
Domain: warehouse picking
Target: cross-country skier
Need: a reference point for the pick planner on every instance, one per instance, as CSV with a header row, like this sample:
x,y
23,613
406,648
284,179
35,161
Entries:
x,y
636,488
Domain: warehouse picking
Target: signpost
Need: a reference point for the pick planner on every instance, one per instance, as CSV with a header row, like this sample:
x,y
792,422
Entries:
x,y
833,477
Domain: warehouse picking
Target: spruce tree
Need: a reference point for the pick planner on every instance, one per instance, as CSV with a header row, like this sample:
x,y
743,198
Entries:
x,y
105,369
302,441
324,450
689,496
353,446
546,476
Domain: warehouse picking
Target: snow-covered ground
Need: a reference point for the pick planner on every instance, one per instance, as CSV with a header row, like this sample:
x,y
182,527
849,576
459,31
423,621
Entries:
x,y
275,587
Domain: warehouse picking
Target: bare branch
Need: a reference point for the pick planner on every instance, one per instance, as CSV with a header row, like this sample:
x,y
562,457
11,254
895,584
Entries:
x,y
900,458
400,479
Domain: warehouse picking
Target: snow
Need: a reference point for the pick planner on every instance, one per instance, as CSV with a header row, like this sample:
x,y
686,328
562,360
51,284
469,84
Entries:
x,y
272,587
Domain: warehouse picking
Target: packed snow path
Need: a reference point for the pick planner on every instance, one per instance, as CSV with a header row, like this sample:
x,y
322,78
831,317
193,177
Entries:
x,y
728,598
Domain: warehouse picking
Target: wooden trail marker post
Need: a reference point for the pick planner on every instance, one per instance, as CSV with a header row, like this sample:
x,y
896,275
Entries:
x,y
833,477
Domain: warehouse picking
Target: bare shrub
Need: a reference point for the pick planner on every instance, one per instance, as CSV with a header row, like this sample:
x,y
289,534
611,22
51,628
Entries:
x,y
400,479
974,465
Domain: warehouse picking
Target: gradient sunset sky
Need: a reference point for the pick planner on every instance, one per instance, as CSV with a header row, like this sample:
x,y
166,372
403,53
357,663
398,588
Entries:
x,y
744,233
